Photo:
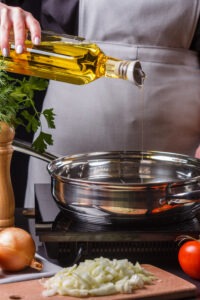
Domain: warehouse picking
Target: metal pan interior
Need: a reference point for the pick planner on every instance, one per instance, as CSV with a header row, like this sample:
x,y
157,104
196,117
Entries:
x,y
125,168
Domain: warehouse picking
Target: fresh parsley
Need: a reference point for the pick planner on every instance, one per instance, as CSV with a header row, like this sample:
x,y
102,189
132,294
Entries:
x,y
17,107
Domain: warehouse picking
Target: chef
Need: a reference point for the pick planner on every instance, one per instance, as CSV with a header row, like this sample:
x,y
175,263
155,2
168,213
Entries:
x,y
110,114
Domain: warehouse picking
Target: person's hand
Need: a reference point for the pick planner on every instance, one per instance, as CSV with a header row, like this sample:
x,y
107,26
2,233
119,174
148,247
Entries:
x,y
19,21
197,152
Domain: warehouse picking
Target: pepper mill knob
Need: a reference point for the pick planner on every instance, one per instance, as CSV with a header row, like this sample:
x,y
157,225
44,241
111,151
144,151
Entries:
x,y
7,200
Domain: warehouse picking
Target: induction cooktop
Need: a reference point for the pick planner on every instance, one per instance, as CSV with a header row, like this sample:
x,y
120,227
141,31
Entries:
x,y
68,238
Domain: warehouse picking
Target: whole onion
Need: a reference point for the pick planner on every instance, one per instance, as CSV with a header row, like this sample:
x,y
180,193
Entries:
x,y
17,250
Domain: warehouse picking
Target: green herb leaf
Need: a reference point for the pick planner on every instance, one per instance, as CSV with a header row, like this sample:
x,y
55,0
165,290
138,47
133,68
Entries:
x,y
50,117
17,106
33,123
42,141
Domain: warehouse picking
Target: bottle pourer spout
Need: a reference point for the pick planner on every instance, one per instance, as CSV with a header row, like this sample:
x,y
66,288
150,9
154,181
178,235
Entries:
x,y
139,75
132,70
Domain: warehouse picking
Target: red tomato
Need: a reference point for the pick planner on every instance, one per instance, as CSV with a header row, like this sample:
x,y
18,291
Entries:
x,y
189,258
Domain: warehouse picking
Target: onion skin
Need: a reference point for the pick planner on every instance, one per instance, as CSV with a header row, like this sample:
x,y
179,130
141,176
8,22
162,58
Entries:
x,y
17,249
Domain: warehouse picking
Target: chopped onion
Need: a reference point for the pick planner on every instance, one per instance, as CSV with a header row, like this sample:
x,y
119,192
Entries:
x,y
98,277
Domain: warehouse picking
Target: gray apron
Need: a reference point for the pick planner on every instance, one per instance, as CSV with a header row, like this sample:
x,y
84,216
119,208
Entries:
x,y
111,114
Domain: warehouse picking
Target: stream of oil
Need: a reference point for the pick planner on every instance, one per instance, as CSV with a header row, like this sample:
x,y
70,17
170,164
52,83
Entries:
x,y
142,129
141,135
142,120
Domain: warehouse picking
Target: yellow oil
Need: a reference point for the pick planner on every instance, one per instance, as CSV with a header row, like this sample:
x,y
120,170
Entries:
x,y
77,63
70,59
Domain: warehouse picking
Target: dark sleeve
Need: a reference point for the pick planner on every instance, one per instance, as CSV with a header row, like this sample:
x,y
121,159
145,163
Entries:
x,y
60,16
195,45
13,2
33,6
55,15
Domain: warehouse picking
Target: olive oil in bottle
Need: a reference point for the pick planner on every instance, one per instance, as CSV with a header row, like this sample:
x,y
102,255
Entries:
x,y
70,59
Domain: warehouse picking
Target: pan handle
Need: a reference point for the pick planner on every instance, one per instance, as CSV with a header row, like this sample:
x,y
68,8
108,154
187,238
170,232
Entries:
x,y
192,196
26,148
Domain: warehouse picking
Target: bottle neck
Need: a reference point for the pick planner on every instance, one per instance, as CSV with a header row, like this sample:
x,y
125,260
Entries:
x,y
125,69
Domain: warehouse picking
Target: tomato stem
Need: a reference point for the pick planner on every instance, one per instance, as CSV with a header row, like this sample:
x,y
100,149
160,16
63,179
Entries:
x,y
183,238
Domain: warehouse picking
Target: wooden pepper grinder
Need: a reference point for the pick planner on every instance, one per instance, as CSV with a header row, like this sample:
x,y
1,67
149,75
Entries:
x,y
7,200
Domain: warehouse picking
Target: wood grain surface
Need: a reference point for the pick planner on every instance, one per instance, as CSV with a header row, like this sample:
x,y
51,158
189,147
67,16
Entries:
x,y
167,287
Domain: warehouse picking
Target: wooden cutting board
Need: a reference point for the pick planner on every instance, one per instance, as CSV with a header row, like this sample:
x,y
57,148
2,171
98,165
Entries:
x,y
167,287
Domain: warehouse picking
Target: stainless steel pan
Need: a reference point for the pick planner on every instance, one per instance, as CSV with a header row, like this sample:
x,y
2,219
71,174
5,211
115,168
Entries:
x,y
124,187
